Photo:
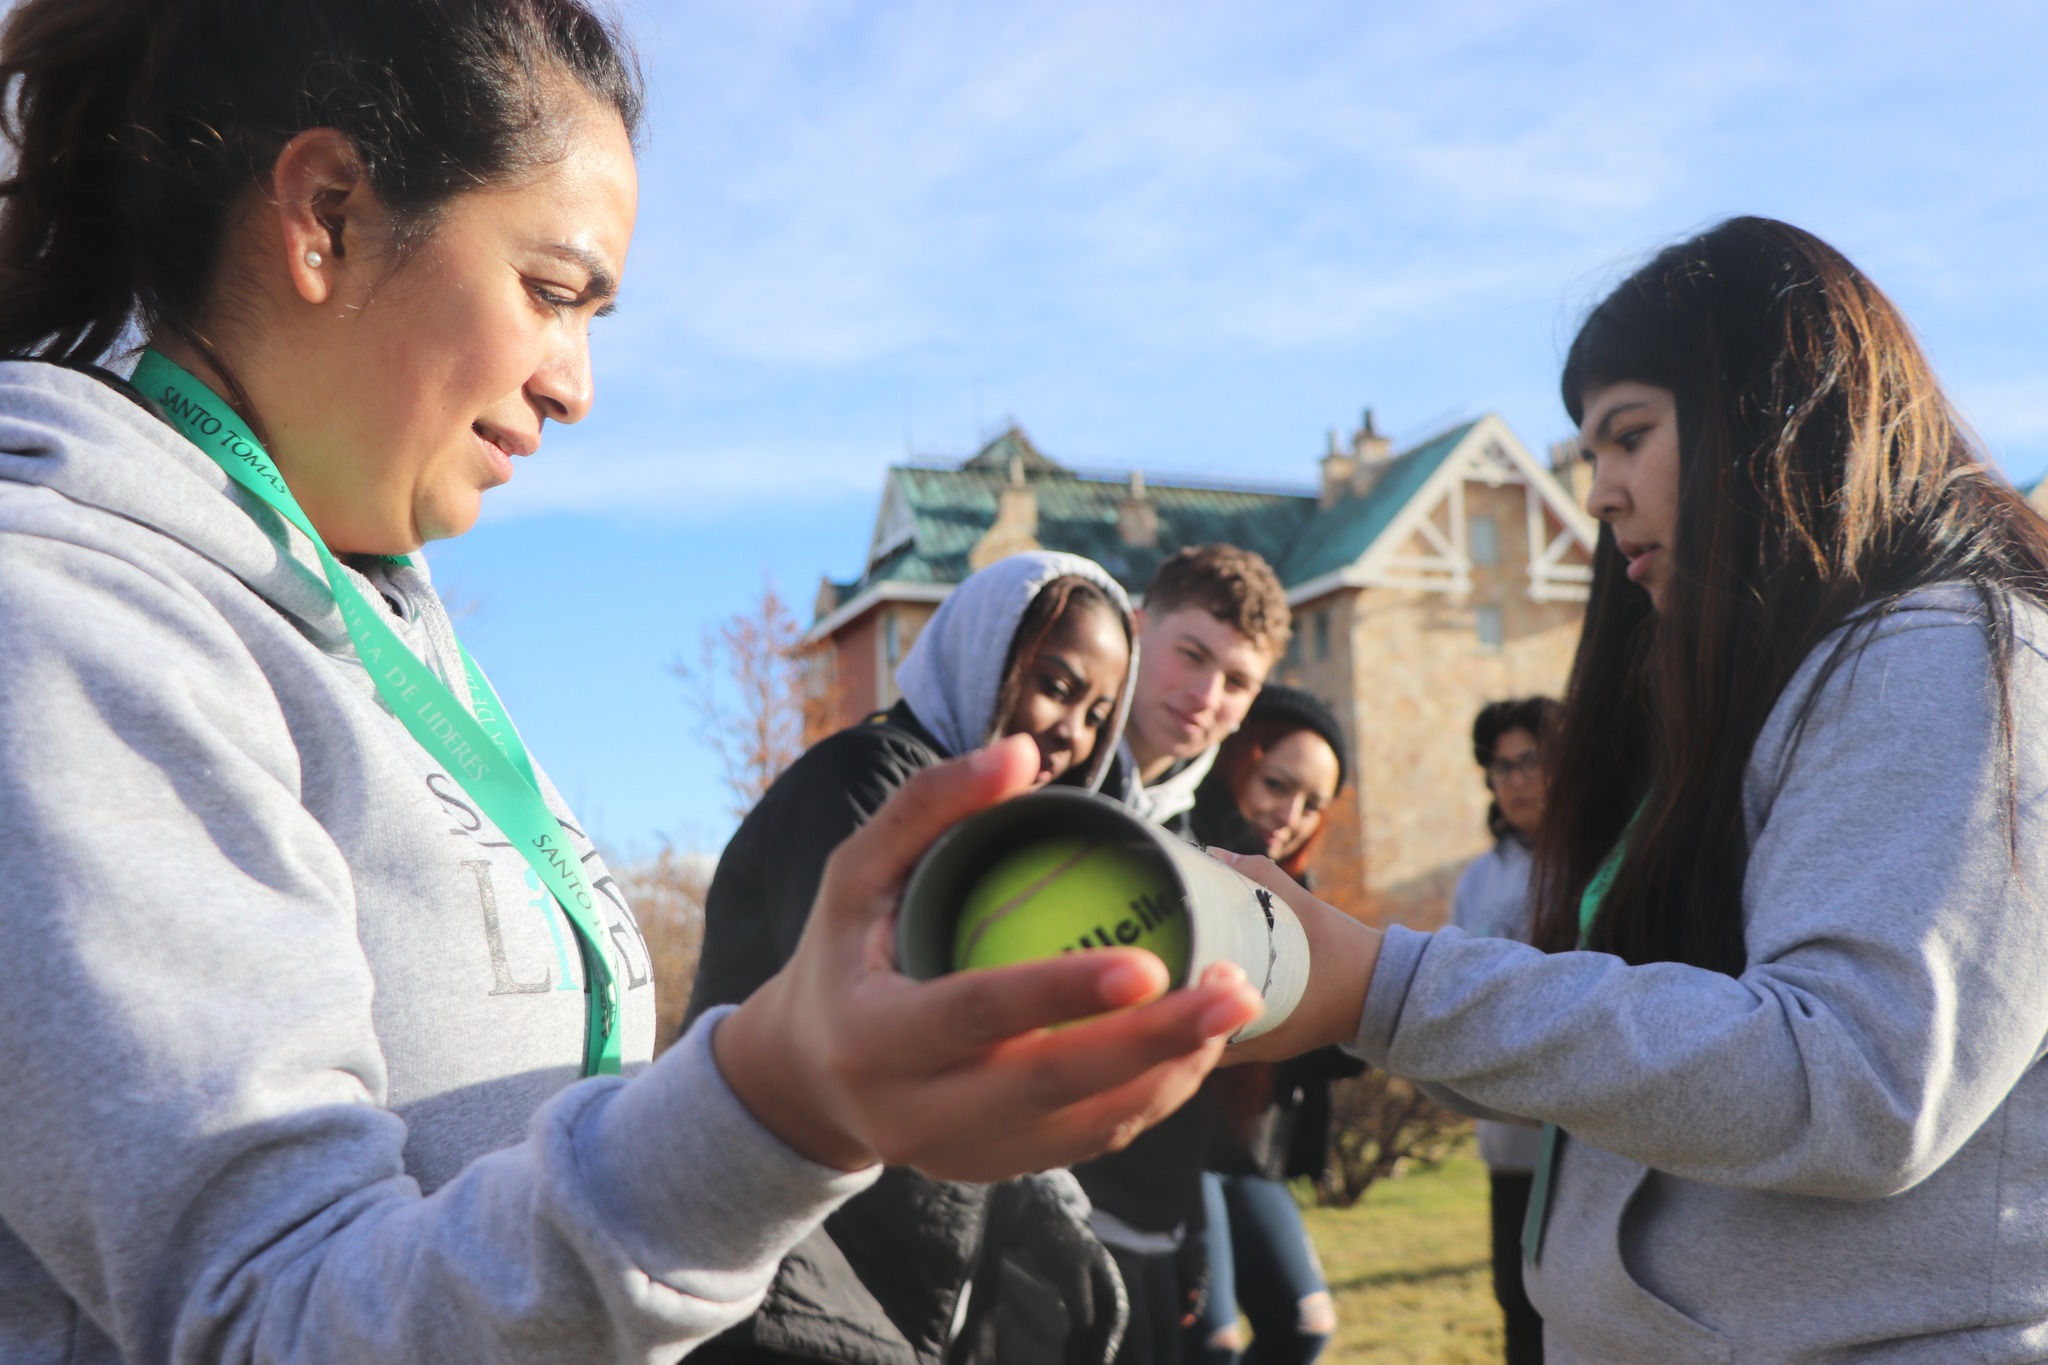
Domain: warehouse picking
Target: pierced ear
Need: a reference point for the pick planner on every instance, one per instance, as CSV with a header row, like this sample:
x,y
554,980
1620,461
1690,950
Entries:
x,y
329,210
317,187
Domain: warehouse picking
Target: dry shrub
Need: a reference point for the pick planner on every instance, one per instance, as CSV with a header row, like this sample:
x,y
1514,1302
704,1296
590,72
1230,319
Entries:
x,y
667,896
1378,1124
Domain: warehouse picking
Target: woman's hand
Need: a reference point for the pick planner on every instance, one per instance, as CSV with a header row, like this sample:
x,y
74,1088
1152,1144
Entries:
x,y
1341,955
851,1062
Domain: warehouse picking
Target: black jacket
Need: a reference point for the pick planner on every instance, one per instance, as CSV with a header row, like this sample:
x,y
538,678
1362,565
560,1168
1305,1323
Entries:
x,y
761,893
1287,1134
880,1282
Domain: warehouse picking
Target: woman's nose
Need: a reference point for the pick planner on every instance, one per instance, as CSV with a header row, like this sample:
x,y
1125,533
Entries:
x,y
1606,499
562,386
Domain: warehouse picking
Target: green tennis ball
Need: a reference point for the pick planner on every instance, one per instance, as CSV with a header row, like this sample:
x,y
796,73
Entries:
x,y
1068,895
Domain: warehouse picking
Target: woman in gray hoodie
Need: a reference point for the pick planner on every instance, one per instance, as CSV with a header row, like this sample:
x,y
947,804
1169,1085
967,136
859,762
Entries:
x,y
327,1034
1787,1011
1039,643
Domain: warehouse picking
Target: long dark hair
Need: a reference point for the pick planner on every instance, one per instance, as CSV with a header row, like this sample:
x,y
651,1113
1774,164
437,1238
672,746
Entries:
x,y
1238,759
139,125
1822,472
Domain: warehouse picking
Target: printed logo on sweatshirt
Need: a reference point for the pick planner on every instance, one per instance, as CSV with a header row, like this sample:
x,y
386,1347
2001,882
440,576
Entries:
x,y
556,967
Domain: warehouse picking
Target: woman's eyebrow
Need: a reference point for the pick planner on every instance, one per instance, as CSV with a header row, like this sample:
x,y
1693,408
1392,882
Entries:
x,y
602,283
1601,432
1064,665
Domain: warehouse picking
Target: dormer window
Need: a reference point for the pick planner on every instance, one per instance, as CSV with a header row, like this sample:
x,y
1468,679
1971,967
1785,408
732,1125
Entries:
x,y
1482,541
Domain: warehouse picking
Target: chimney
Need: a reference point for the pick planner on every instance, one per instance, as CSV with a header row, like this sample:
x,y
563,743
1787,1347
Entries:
x,y
1371,453
1571,469
1338,469
1137,516
1015,528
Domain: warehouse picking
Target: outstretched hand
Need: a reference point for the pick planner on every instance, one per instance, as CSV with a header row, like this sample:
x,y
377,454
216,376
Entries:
x,y
851,1062
1342,953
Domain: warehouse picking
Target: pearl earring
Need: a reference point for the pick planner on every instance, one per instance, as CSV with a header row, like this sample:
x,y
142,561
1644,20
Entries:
x,y
313,259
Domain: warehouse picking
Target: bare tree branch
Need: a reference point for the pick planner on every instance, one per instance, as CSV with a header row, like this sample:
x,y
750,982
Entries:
x,y
747,690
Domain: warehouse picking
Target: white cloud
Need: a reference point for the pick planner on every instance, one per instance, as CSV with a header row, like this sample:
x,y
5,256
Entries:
x,y
693,485
845,199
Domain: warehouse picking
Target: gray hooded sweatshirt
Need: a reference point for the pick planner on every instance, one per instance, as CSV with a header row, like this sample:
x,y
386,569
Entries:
x,y
886,1279
293,1034
954,671
1841,1154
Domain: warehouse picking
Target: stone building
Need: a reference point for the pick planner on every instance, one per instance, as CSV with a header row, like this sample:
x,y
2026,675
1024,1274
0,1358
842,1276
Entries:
x,y
1424,583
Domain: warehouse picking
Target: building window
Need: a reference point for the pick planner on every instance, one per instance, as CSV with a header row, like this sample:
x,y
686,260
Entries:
x,y
1487,621
1483,540
1322,629
892,644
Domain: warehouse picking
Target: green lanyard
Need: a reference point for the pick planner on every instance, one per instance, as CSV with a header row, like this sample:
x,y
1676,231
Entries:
x,y
476,744
1546,1160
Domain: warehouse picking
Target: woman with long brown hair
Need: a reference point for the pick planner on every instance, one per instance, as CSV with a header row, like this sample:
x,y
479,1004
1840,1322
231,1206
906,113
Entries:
x,y
1788,1027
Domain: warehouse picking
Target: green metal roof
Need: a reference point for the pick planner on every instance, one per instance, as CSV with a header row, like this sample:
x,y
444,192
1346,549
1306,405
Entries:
x,y
950,509
1346,531
1013,444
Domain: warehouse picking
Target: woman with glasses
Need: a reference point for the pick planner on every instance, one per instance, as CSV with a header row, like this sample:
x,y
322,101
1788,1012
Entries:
x,y
1492,901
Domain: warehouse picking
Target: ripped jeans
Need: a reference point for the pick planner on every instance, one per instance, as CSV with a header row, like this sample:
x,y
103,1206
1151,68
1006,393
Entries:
x,y
1260,1261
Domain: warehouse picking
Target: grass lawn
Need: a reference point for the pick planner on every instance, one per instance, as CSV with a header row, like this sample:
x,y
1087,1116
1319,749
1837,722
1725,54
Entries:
x,y
1410,1269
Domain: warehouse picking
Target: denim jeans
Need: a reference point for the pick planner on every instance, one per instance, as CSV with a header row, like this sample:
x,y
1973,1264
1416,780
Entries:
x,y
1260,1262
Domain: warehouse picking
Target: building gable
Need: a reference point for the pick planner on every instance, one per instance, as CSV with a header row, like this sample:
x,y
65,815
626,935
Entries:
x,y
1343,533
895,523
1410,530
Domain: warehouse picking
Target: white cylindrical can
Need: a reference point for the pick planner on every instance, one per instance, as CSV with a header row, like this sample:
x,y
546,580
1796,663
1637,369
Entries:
x,y
1230,917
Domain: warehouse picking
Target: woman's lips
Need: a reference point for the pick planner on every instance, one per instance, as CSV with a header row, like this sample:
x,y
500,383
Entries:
x,y
498,447
496,457
1640,561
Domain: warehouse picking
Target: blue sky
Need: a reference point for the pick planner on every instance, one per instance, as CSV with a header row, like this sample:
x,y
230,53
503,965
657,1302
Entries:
x,y
1191,237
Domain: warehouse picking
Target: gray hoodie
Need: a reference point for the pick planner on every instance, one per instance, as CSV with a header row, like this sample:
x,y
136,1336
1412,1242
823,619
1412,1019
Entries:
x,y
293,1035
1842,1154
954,672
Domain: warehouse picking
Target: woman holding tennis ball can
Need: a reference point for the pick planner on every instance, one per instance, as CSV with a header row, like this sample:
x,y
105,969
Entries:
x,y
294,1074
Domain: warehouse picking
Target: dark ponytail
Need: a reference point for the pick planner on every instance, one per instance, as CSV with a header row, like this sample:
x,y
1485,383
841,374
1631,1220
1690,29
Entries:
x,y
138,125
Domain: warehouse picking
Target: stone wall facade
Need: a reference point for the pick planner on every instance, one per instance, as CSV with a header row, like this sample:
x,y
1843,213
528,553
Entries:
x,y
1414,669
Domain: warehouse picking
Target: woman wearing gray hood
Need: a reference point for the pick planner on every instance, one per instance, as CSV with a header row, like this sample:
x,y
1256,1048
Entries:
x,y
328,1037
1038,644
